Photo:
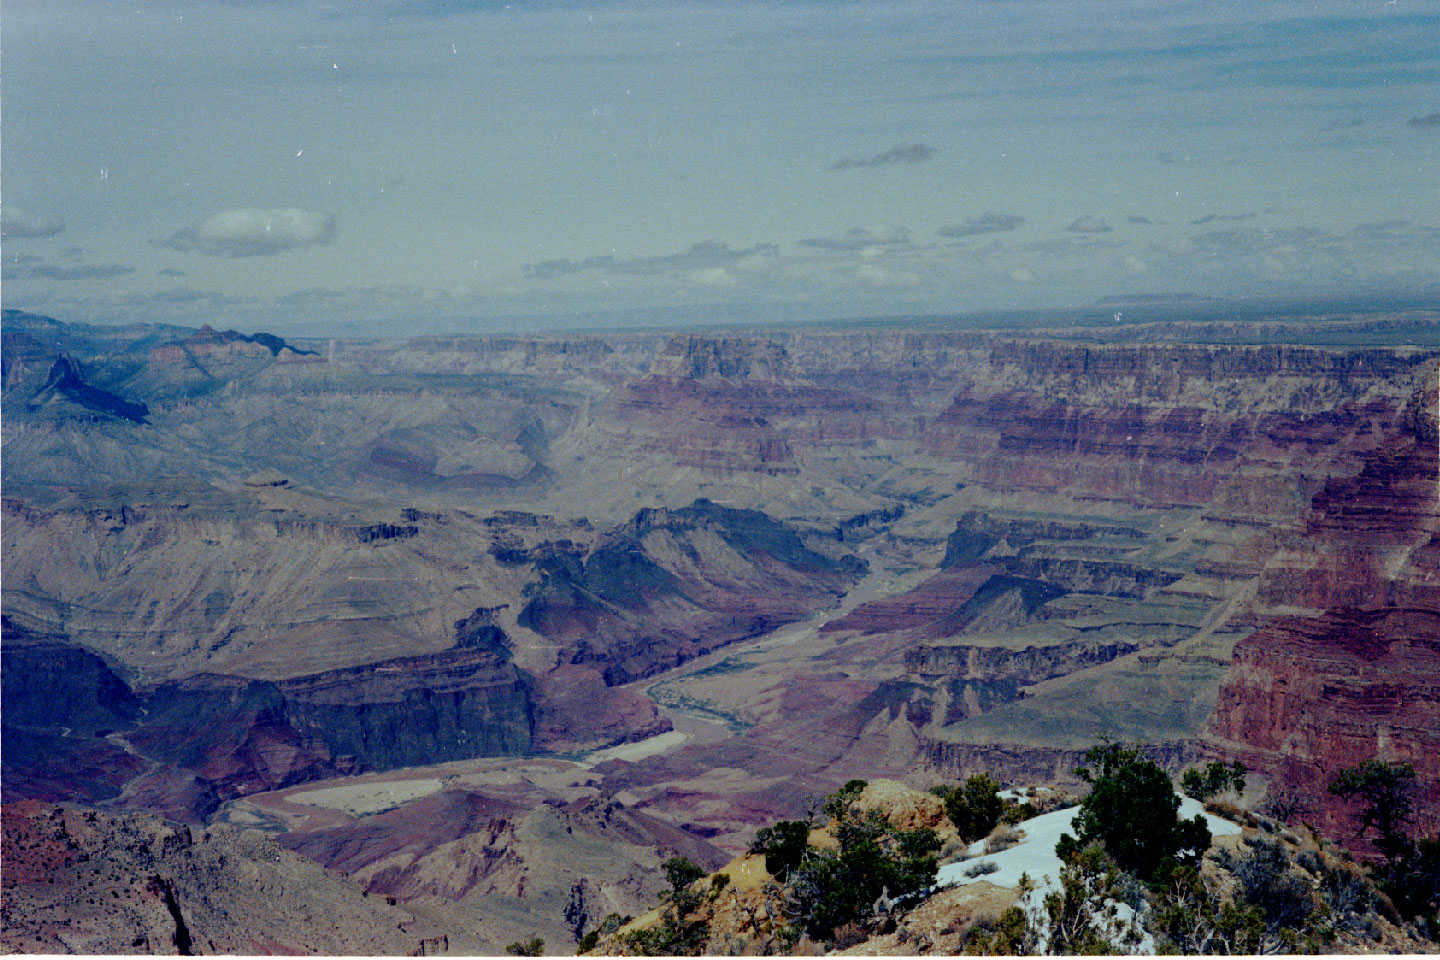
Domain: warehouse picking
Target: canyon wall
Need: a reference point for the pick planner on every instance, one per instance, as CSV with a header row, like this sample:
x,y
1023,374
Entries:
x,y
907,549
1354,672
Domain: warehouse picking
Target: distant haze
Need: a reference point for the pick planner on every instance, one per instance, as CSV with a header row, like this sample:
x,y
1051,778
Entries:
x,y
410,165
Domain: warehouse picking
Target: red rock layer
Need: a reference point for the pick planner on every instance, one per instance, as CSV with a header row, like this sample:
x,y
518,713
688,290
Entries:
x,y
936,598
1306,697
708,425
740,405
1243,428
1158,455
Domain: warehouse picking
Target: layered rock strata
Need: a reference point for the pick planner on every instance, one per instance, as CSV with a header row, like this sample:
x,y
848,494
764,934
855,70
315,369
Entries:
x,y
1308,695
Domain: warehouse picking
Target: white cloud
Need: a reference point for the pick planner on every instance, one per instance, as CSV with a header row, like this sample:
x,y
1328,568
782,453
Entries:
x,y
713,277
252,232
859,239
699,257
18,222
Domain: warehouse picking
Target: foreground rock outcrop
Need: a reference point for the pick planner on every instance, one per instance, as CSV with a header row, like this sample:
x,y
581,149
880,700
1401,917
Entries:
x,y
84,881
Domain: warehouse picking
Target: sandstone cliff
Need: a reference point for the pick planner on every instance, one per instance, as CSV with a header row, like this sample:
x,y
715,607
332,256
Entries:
x,y
1309,695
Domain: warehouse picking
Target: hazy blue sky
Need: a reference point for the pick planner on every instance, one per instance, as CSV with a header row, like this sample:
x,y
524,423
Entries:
x,y
274,163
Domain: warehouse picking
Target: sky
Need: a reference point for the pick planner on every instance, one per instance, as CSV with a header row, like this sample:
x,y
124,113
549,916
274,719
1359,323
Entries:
x,y
426,165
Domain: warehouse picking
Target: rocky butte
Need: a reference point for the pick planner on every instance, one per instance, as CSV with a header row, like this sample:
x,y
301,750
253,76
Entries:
x,y
490,627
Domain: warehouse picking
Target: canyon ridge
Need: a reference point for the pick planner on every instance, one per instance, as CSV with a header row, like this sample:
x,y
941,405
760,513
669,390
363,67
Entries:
x,y
455,640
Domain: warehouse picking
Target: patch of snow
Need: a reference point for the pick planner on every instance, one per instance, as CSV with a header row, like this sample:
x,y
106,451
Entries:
x,y
1219,826
1035,855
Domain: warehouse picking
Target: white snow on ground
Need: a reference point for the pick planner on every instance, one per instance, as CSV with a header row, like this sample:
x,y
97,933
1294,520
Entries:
x,y
1035,854
1219,826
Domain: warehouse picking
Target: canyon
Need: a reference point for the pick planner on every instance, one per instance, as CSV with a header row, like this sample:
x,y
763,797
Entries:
x,y
547,610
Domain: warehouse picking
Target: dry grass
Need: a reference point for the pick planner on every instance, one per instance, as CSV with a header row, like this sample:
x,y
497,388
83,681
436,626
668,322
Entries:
x,y
1002,838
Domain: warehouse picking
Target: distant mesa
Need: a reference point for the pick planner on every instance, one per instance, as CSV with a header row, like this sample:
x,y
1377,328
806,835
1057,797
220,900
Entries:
x,y
729,358
231,344
1154,299
66,386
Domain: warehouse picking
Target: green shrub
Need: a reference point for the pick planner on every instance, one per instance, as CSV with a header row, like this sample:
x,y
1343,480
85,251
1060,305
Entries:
x,y
975,806
1267,882
1083,916
1132,809
838,802
830,889
1214,778
1017,813
1388,790
784,846
680,872
679,933
611,923
1188,918
1009,935
1410,872
534,947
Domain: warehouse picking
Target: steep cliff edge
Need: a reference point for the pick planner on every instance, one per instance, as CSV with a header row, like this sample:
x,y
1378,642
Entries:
x,y
1310,694
226,345
733,406
184,747
1067,540
243,736
1241,428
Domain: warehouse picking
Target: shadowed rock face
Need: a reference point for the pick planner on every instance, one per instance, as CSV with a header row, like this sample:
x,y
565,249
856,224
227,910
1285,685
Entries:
x,y
675,584
59,700
212,344
242,736
66,383
215,737
219,736
49,683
